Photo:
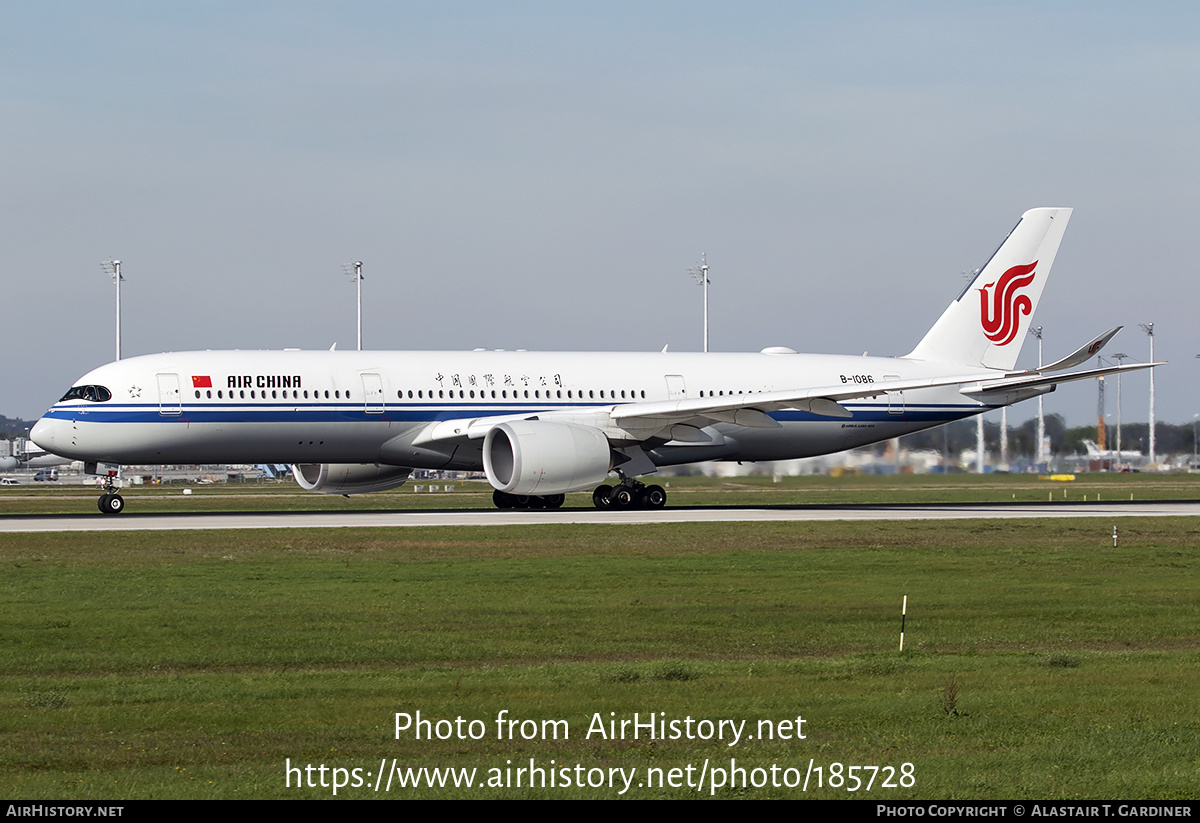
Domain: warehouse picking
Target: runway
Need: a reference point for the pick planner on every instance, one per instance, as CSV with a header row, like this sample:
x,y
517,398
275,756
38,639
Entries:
x,y
497,517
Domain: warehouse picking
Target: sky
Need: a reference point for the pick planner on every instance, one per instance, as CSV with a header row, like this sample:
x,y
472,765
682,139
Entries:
x,y
543,175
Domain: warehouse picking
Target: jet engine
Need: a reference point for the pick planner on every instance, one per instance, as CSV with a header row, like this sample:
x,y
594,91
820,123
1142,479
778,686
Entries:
x,y
542,457
348,478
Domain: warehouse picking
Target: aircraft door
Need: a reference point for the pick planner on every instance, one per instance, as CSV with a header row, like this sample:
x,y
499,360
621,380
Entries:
x,y
895,398
676,389
169,401
372,393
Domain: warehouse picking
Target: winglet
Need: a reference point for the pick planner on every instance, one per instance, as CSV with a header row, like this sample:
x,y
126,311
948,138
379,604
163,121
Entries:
x,y
1084,352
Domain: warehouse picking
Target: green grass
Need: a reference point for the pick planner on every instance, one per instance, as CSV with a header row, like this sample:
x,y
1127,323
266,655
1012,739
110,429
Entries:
x,y
187,664
682,491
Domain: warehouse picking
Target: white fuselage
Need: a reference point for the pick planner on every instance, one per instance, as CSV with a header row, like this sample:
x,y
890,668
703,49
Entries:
x,y
372,407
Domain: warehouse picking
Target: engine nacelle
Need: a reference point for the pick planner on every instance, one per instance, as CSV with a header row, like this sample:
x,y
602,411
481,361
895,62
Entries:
x,y
348,478
544,457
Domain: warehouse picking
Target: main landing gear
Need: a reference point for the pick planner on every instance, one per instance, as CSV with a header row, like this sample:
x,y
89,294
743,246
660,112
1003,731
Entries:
x,y
110,502
629,494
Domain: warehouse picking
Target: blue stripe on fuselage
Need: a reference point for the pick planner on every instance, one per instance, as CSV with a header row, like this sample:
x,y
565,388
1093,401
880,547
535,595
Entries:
x,y
431,413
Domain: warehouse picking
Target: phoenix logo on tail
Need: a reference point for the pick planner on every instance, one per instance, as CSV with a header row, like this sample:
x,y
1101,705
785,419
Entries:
x,y
1001,320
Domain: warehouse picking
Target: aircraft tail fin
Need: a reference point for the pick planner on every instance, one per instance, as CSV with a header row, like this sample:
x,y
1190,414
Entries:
x,y
986,325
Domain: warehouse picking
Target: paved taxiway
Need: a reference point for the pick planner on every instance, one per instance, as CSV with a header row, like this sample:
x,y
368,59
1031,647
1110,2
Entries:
x,y
496,517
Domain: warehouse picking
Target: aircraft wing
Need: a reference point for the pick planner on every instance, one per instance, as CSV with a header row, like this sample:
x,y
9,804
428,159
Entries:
x,y
821,400
640,421
675,419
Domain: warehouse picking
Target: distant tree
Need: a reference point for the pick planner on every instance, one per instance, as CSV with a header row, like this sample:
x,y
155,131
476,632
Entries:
x,y
11,428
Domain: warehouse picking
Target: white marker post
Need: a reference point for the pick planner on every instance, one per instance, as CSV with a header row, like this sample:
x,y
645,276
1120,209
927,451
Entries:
x,y
903,615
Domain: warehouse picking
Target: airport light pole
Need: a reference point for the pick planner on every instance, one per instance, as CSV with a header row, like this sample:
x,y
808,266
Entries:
x,y
1119,356
354,271
1004,437
1148,328
1039,456
700,273
979,442
113,269
1195,417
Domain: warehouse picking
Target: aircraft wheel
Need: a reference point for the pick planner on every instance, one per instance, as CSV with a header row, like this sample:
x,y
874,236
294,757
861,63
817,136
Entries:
x,y
554,501
111,504
602,497
502,500
521,501
655,497
623,498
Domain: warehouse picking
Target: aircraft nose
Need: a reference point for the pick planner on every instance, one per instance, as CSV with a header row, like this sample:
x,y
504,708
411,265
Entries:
x,y
42,433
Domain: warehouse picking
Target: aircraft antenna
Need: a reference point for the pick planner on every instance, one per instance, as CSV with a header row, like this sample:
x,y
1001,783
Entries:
x,y
699,273
354,271
113,269
1148,328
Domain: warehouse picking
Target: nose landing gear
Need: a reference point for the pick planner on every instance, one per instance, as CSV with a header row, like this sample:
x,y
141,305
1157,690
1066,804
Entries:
x,y
110,502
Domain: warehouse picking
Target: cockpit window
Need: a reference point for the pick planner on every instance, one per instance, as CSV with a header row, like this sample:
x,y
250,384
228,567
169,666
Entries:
x,y
94,394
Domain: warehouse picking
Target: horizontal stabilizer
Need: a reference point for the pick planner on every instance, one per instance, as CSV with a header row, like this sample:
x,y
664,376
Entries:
x,y
1037,380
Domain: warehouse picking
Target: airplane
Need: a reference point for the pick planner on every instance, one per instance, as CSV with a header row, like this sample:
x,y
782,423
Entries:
x,y
31,459
1094,452
544,424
